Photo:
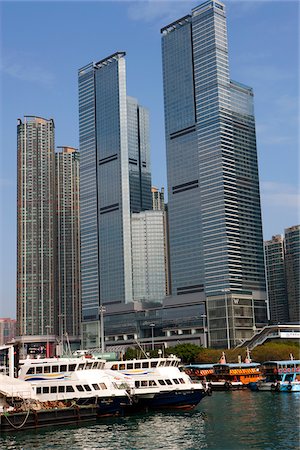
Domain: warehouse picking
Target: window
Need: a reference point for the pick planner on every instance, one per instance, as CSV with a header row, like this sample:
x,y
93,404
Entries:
x,y
114,367
31,370
161,382
145,365
61,388
122,367
46,390
96,387
54,369
169,382
38,390
87,387
137,365
130,366
103,386
79,388
152,383
39,369
144,383
72,367
175,381
89,365
53,389
81,366
69,389
137,384
181,380
63,368
47,369
153,363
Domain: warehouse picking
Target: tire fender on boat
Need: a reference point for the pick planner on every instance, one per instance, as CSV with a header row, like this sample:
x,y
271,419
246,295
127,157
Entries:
x,y
289,387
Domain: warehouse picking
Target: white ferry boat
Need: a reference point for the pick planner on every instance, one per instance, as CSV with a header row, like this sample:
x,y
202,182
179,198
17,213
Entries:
x,y
159,384
80,380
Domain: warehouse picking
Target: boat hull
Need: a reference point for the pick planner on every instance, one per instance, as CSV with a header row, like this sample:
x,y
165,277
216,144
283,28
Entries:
x,y
184,400
112,406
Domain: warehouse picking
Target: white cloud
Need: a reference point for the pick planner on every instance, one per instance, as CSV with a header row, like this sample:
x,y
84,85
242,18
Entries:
x,y
167,10
281,195
25,70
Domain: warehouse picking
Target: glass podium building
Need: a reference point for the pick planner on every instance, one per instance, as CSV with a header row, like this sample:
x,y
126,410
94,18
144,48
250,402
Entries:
x,y
215,227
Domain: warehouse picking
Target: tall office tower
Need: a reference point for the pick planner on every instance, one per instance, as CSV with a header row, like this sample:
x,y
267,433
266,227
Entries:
x,y
114,179
104,185
148,256
138,156
158,198
275,271
68,242
216,243
292,267
36,227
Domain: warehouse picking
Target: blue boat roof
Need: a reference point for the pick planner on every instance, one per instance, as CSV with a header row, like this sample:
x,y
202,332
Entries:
x,y
288,361
236,365
199,366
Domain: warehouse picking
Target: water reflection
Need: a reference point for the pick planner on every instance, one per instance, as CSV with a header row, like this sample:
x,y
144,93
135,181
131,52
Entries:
x,y
229,420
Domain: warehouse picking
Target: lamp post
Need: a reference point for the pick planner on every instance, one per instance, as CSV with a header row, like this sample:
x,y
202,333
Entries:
x,y
102,310
204,330
227,321
60,317
47,342
152,325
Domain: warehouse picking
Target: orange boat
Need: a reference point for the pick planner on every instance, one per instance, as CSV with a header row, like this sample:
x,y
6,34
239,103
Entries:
x,y
226,376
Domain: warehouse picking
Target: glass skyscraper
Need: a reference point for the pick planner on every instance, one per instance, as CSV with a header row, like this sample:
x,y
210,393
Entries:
x,y
36,228
115,180
215,227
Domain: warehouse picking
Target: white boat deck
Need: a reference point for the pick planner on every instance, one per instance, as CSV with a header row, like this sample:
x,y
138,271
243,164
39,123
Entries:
x,y
12,387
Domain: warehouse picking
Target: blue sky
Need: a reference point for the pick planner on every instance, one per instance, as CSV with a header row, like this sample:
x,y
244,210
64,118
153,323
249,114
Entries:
x,y
43,44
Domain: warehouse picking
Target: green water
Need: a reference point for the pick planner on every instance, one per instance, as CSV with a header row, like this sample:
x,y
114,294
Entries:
x,y
226,420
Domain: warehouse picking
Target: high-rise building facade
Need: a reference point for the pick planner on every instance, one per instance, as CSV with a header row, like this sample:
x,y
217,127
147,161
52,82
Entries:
x,y
158,198
276,280
115,180
36,227
104,185
292,267
68,242
148,256
138,156
216,243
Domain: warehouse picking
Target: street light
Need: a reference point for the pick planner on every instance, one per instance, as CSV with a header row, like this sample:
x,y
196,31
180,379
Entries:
x,y
102,310
47,342
152,325
227,322
204,330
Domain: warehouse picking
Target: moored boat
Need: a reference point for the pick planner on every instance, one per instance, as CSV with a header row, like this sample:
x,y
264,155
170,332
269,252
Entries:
x,y
159,384
225,376
76,379
279,376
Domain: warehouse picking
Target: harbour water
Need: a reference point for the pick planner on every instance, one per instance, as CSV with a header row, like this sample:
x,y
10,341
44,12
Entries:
x,y
237,420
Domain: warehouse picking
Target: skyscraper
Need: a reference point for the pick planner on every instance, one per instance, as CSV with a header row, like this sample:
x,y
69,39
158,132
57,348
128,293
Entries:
x,y
138,156
216,243
114,180
36,227
148,256
68,242
275,271
292,266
